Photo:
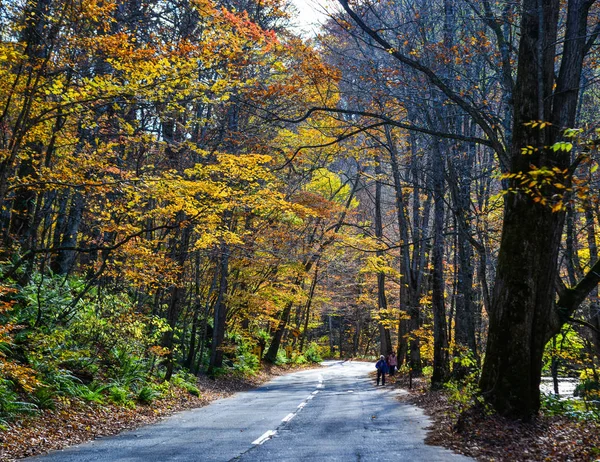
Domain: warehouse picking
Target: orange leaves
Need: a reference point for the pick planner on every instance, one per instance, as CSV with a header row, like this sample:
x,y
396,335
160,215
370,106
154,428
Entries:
x,y
24,376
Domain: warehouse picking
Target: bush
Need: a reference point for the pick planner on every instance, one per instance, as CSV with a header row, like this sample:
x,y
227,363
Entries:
x,y
281,358
187,381
244,359
427,371
298,359
128,370
247,363
63,382
464,394
163,389
313,353
573,408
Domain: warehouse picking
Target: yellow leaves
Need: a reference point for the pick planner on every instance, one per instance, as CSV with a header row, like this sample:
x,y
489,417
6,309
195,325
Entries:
x,y
540,124
528,150
379,265
9,53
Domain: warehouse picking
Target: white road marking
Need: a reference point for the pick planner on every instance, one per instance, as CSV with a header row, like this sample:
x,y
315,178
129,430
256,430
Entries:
x,y
288,417
320,385
320,378
265,437
301,405
315,392
310,397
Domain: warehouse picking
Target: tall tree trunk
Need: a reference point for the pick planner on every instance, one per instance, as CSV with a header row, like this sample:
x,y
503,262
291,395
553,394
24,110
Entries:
x,y
523,315
180,247
440,338
64,258
220,313
385,338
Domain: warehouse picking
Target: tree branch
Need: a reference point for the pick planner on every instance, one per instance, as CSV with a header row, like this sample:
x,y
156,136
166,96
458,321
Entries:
x,y
477,116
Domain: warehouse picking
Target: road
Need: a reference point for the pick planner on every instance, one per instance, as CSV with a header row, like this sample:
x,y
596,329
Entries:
x,y
335,413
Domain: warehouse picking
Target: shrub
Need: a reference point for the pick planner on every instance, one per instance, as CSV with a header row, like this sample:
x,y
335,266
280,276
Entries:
x,y
162,389
464,394
187,381
298,359
192,389
313,353
128,370
281,358
247,363
573,408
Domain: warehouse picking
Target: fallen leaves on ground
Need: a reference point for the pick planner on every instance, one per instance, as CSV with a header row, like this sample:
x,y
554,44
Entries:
x,y
494,438
76,422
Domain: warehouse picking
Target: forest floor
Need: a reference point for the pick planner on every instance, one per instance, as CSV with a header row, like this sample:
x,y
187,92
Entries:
x,y
74,422
493,438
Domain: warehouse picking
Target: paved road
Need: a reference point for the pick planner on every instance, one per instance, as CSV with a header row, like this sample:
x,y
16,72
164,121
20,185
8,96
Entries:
x,y
330,414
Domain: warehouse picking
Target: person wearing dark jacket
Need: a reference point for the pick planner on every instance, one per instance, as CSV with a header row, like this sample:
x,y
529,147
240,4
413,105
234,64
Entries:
x,y
382,369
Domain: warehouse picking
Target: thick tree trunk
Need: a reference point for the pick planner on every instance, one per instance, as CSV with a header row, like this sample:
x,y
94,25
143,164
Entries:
x,y
522,315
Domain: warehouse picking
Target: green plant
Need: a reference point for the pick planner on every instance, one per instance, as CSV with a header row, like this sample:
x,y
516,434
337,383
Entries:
x,y
119,395
313,353
187,381
128,370
10,405
281,358
573,408
43,398
464,394
147,394
192,389
428,371
298,359
163,389
63,382
92,392
246,363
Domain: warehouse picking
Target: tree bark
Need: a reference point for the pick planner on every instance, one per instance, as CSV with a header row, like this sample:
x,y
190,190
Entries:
x,y
522,315
220,314
440,338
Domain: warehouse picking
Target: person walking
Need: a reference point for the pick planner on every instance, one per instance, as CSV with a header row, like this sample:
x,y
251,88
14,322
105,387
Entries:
x,y
392,363
382,369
